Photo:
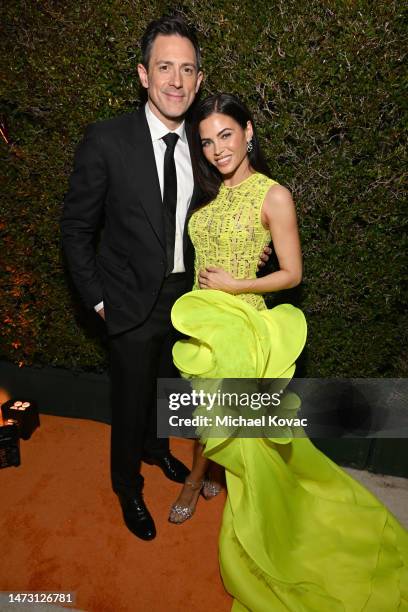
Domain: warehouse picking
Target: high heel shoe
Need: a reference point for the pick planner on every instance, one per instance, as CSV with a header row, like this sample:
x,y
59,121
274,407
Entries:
x,y
179,513
210,489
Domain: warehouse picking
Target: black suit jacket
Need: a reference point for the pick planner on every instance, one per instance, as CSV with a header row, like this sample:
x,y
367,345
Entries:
x,y
115,178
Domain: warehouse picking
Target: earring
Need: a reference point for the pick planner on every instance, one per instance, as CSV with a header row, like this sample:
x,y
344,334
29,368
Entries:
x,y
250,146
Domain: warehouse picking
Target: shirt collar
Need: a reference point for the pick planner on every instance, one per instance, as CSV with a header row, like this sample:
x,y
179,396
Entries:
x,y
158,129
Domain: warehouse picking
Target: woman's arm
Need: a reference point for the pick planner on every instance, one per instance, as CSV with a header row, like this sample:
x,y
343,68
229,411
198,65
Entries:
x,y
278,214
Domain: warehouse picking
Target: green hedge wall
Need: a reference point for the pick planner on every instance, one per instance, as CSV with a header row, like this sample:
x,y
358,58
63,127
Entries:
x,y
325,81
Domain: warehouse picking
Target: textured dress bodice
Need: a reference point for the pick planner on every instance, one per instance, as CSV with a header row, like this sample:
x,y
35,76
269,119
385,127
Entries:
x,y
228,233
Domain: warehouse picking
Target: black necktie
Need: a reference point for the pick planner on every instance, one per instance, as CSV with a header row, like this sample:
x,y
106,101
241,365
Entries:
x,y
170,197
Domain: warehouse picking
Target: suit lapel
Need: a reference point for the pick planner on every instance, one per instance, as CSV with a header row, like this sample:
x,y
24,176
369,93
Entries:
x,y
143,163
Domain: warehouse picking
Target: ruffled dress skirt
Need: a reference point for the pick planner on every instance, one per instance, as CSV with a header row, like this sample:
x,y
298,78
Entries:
x,y
298,533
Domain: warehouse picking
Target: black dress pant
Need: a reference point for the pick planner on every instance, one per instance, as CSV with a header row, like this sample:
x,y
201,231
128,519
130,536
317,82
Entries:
x,y
137,358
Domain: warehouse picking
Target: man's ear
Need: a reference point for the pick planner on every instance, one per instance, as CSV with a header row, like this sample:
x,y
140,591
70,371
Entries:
x,y
200,77
142,72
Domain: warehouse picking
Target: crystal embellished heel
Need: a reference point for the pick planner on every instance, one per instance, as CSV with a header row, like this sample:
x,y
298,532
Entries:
x,y
179,513
210,489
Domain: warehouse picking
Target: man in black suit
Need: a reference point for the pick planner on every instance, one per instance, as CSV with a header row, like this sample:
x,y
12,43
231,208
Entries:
x,y
135,171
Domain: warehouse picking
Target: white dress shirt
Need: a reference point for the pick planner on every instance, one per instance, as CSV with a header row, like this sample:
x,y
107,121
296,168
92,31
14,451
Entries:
x,y
185,181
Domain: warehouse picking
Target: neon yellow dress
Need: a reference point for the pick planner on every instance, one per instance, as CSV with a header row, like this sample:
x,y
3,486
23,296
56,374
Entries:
x,y
298,533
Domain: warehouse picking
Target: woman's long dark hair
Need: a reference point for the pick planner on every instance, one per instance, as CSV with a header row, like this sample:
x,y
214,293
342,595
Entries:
x,y
207,175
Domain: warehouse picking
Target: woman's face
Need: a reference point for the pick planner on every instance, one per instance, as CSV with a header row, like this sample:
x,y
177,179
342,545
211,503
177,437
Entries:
x,y
224,143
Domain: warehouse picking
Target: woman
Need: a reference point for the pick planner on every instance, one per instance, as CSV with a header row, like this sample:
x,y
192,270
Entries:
x,y
226,146
298,533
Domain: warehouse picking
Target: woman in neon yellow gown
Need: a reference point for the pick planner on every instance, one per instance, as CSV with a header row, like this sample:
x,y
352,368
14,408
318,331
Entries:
x,y
298,533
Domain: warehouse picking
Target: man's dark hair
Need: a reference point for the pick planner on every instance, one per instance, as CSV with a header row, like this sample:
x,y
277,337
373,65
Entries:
x,y
168,25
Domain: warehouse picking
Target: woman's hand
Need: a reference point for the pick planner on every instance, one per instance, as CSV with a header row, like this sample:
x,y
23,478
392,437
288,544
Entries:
x,y
217,278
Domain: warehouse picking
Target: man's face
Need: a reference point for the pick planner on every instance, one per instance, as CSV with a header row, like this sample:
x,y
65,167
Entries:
x,y
172,79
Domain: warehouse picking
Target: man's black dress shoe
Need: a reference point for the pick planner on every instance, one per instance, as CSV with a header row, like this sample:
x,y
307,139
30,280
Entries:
x,y
137,517
172,468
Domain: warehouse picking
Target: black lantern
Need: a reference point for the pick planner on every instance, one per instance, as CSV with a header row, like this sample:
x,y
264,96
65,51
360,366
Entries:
x,y
24,413
9,444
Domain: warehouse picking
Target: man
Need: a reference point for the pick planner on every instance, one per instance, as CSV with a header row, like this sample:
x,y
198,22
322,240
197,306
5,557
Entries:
x,y
136,171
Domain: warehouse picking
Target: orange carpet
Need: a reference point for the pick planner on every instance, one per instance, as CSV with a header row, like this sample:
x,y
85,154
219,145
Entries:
x,y
62,529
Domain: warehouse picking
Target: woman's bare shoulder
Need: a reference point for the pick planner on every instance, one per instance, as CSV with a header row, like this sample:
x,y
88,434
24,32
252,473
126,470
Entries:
x,y
278,198
279,194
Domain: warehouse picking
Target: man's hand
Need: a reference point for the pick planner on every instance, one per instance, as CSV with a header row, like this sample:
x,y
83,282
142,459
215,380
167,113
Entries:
x,y
101,313
264,257
217,278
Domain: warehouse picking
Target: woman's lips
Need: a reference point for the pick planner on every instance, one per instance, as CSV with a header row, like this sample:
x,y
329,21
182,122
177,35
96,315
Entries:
x,y
223,161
